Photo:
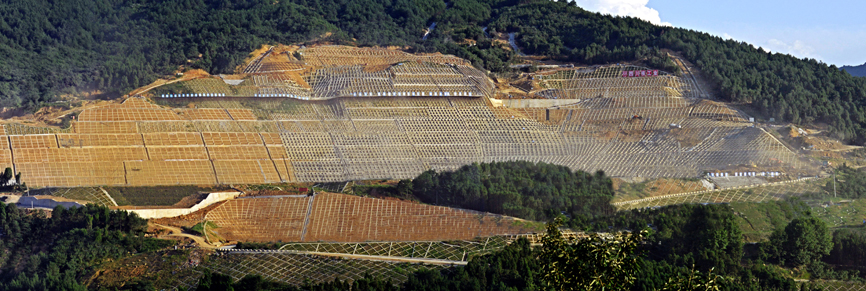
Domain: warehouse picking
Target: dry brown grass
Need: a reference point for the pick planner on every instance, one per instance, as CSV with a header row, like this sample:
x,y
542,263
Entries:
x,y
652,188
252,56
687,137
632,135
606,135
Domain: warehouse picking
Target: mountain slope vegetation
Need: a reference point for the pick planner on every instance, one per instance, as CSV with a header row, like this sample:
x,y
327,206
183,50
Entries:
x,y
534,191
57,252
53,48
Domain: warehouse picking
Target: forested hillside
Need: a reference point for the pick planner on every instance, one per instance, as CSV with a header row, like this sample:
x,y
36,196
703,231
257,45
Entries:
x,y
59,47
50,48
56,253
535,191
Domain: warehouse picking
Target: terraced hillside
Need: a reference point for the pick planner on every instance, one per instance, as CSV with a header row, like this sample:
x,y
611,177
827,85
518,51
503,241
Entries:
x,y
650,126
346,218
614,81
327,72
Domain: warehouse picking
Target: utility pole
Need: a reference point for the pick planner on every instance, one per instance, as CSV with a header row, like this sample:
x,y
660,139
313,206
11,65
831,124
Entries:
x,y
834,183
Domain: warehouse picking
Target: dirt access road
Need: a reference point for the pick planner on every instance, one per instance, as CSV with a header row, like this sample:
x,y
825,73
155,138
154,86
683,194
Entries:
x,y
177,232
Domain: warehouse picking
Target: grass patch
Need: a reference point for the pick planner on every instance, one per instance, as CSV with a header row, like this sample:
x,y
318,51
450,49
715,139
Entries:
x,y
200,226
658,187
534,225
839,213
630,191
759,220
205,230
153,195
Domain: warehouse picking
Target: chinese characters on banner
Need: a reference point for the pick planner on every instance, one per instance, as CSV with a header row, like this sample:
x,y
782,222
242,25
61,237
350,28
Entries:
x,y
641,73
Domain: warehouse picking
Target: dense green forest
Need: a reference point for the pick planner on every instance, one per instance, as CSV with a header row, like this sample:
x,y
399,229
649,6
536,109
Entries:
x,y
56,253
52,48
536,191
707,236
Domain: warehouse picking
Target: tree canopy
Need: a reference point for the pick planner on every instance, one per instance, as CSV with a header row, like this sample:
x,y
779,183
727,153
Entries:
x,y
536,191
55,253
803,241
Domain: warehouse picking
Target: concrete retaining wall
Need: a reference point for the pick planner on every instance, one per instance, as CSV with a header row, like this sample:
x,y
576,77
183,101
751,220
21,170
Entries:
x,y
174,212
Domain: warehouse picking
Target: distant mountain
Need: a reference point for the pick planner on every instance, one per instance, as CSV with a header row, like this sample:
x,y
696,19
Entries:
x,y
857,71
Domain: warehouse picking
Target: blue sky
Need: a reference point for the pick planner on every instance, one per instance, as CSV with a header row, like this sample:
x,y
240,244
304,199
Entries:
x,y
830,31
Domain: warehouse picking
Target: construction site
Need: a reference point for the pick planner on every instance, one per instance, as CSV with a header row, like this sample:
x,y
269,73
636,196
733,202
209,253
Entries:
x,y
336,114
331,114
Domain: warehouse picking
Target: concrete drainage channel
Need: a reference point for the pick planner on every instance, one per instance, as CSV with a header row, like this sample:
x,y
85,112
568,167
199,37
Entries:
x,y
174,212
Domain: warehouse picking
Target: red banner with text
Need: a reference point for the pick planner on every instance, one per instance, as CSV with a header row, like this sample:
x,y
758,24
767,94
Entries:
x,y
640,73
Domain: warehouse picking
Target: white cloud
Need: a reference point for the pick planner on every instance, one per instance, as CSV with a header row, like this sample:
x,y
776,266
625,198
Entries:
x,y
798,48
727,36
633,8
